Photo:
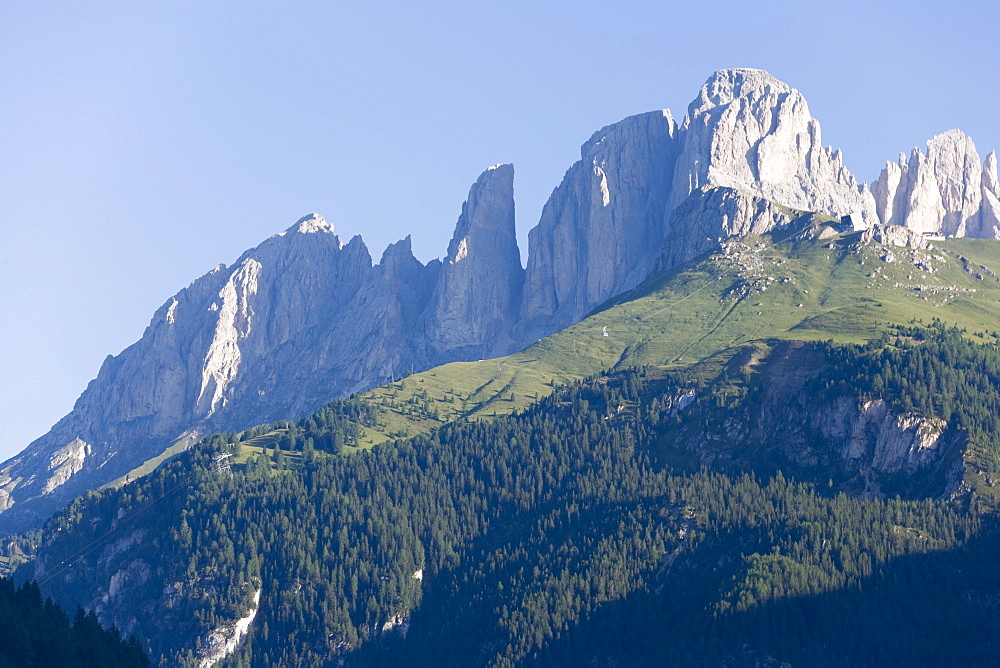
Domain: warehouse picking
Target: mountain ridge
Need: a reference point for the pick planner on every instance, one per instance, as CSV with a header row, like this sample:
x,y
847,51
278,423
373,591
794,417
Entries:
x,y
497,540
303,317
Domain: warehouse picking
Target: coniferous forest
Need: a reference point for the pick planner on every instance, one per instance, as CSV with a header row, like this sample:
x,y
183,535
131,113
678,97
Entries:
x,y
34,632
605,525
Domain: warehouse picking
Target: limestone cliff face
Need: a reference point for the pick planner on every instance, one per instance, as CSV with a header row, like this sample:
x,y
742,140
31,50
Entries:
x,y
296,321
945,191
476,298
302,318
870,433
601,230
711,214
865,444
989,212
752,133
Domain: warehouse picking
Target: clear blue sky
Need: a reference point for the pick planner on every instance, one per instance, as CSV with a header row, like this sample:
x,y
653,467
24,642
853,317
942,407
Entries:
x,y
143,143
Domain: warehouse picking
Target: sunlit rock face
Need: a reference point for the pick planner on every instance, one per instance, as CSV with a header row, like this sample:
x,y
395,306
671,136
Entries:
x,y
304,318
711,214
752,133
945,191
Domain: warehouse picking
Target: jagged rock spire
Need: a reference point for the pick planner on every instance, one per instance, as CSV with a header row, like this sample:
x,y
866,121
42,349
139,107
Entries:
x,y
941,192
479,288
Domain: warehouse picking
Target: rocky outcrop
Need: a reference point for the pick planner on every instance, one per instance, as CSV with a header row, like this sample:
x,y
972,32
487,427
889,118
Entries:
x,y
752,133
894,235
710,215
223,641
989,211
303,318
870,433
790,423
66,461
943,192
602,228
476,298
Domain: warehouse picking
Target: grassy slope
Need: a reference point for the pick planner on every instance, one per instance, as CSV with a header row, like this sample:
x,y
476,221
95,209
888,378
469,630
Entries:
x,y
150,465
774,286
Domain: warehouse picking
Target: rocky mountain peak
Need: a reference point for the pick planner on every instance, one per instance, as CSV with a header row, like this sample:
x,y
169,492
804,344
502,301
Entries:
x,y
310,224
487,217
479,288
748,131
726,86
397,253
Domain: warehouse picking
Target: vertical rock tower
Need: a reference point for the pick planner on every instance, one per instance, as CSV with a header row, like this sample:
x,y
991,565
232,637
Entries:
x,y
602,228
945,191
303,318
476,298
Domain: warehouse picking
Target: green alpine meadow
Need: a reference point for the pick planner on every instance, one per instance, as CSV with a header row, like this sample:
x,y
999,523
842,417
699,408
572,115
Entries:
x,y
705,484
733,408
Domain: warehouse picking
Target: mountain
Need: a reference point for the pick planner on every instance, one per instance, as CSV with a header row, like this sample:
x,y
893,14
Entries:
x,y
794,501
303,318
750,132
945,191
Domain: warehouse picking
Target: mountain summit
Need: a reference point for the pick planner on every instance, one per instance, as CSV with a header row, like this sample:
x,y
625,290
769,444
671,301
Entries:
x,y
304,318
750,132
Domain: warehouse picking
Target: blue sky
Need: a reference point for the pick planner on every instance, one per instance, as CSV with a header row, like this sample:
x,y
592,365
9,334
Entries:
x,y
141,144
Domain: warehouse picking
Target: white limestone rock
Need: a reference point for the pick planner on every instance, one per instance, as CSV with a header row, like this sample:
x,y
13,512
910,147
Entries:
x,y
938,193
602,228
223,641
958,172
710,215
872,434
479,289
65,462
894,235
236,314
988,226
750,132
